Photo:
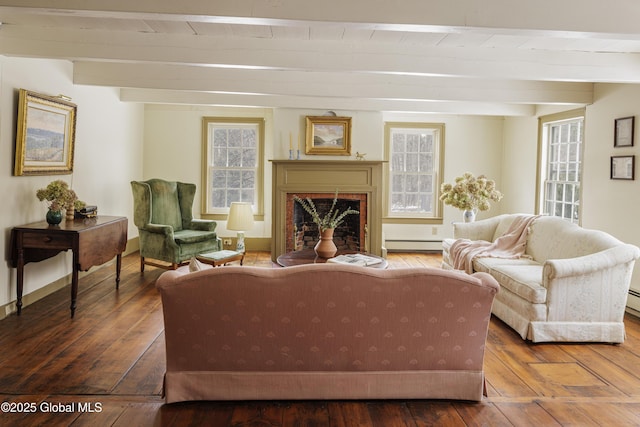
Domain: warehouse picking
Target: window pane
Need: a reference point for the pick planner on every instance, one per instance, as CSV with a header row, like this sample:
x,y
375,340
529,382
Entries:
x,y
413,159
397,182
233,155
563,168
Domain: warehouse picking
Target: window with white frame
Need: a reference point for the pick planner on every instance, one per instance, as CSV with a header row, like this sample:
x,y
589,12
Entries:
x,y
233,165
561,146
414,153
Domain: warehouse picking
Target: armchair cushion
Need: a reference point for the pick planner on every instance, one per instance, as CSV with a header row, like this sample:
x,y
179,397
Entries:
x,y
193,236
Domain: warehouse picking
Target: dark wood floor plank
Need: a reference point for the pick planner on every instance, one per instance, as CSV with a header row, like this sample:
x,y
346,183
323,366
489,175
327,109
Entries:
x,y
140,414
481,414
305,414
349,414
502,380
427,413
147,374
258,414
390,414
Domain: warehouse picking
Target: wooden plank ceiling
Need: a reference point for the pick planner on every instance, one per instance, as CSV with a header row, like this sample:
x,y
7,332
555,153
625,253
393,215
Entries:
x,y
493,57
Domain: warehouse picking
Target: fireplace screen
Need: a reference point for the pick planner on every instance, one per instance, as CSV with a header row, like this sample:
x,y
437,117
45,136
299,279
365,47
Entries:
x,y
303,233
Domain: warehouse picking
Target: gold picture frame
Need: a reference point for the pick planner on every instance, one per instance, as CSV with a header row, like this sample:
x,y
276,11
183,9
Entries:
x,y
328,135
46,135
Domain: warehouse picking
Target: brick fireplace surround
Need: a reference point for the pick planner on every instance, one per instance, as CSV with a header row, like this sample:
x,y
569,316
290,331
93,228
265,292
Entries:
x,y
360,181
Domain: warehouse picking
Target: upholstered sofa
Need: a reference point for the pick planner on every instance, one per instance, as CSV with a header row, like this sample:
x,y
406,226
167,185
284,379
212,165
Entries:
x,y
570,285
324,331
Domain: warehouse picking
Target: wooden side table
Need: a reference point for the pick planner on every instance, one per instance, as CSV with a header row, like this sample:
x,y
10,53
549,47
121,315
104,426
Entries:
x,y
94,241
220,257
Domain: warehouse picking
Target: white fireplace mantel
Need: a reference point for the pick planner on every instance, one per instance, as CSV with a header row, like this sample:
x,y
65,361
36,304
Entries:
x,y
327,176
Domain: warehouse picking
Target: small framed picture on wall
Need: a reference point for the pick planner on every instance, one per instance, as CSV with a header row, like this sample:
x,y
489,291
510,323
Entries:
x,y
623,167
624,128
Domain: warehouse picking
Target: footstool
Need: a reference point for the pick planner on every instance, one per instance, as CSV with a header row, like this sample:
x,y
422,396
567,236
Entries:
x,y
220,257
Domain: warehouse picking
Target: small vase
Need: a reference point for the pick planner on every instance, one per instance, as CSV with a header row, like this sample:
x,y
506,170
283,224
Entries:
x,y
54,217
325,248
71,214
469,215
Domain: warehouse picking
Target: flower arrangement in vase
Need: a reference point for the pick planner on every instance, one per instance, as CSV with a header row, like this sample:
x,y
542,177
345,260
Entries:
x,y
58,196
470,194
326,223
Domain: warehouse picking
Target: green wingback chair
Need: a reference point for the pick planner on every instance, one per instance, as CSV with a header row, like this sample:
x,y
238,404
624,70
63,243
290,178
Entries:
x,y
168,232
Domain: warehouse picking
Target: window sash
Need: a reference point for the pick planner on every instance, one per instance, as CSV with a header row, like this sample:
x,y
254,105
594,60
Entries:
x,y
232,163
562,175
414,160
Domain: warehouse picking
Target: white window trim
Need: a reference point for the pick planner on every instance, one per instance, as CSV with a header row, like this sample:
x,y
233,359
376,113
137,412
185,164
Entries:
x,y
221,213
541,170
411,217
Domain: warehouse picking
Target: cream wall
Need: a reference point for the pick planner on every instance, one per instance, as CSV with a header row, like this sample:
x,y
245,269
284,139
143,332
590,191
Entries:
x,y
108,154
519,163
612,205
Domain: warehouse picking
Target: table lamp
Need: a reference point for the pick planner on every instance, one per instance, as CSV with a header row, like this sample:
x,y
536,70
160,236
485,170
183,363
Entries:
x,y
240,219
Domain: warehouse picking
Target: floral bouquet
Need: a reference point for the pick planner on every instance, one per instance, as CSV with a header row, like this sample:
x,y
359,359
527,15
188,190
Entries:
x,y
470,193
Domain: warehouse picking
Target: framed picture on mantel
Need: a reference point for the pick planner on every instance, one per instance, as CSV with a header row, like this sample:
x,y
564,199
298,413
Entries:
x,y
328,135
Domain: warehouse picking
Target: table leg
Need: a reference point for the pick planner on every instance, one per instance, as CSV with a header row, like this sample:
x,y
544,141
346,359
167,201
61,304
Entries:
x,y
20,279
74,283
118,267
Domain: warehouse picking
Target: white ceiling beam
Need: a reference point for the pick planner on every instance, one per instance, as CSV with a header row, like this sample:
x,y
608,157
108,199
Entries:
x,y
509,63
161,96
583,16
308,83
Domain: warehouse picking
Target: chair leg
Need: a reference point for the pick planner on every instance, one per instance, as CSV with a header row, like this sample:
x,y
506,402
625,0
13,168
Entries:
x,y
174,266
141,264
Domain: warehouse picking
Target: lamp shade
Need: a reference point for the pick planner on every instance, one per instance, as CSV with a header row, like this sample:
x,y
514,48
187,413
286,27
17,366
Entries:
x,y
240,216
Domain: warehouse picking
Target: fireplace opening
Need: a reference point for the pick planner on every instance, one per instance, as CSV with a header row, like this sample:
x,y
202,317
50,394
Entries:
x,y
303,233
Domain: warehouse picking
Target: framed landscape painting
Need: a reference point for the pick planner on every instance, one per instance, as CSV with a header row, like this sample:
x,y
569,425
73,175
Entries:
x,y
46,135
328,135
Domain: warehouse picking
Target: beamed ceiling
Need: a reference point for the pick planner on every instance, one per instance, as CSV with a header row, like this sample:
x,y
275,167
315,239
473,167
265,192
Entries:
x,y
495,57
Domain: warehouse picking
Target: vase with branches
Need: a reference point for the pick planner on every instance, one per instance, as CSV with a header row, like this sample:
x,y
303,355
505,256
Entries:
x,y
326,223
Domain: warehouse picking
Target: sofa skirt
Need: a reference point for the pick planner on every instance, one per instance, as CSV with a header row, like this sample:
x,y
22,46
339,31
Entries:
x,y
211,385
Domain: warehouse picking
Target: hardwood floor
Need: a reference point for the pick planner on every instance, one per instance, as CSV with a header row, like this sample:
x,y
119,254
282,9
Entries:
x,y
105,368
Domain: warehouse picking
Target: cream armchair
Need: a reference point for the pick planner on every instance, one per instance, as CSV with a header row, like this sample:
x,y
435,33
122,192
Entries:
x,y
168,232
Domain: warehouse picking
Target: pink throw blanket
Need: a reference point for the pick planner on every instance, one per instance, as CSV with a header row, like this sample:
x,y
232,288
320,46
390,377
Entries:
x,y
511,244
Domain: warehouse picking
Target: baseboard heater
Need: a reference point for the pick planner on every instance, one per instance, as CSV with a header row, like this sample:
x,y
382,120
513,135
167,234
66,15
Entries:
x,y
634,293
413,245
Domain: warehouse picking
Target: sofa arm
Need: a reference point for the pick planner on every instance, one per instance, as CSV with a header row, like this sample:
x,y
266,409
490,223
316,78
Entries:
x,y
589,264
203,224
591,288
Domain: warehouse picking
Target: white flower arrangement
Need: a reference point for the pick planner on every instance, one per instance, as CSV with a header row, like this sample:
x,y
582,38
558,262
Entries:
x,y
469,192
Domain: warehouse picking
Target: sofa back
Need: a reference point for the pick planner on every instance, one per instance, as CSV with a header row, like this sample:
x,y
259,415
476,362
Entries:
x,y
325,317
557,238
